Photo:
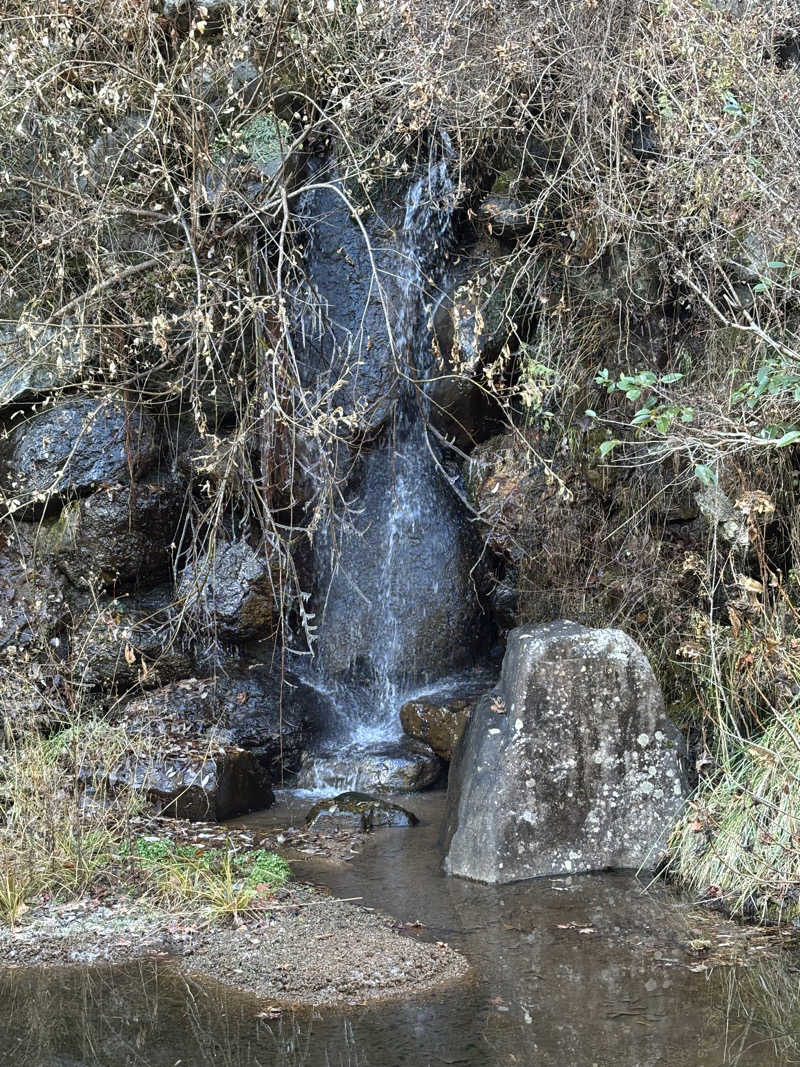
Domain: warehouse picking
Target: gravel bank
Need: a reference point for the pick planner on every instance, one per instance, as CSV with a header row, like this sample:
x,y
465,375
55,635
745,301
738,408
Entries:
x,y
304,948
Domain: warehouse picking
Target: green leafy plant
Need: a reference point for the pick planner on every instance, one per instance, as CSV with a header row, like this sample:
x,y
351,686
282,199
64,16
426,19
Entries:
x,y
226,881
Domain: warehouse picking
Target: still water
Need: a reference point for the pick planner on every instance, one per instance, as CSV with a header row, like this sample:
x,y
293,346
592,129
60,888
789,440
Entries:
x,y
582,971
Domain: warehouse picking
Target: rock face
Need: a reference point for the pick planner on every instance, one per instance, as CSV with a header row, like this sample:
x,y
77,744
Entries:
x,y
570,766
421,618
344,352
73,448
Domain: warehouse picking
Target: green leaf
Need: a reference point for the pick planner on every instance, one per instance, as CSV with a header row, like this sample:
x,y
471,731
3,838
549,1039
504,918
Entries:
x,y
633,394
641,417
705,474
788,438
668,379
775,264
591,414
647,377
662,423
606,446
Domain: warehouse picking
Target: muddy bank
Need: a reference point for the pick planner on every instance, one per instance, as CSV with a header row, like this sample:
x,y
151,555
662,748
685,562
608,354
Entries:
x,y
298,945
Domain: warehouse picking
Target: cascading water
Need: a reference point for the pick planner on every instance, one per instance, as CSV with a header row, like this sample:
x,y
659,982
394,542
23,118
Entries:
x,y
395,593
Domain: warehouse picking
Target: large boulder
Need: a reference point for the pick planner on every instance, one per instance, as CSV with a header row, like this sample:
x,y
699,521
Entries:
x,y
570,766
254,709
71,449
188,780
120,535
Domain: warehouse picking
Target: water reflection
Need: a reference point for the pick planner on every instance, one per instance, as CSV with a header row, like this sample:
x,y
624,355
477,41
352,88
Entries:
x,y
584,971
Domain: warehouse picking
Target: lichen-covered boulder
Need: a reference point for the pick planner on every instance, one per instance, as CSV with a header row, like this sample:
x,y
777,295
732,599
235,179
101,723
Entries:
x,y
359,811
570,766
73,448
121,534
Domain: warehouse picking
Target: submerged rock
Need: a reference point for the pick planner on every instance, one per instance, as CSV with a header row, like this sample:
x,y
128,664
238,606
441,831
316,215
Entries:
x,y
69,450
571,766
398,767
359,810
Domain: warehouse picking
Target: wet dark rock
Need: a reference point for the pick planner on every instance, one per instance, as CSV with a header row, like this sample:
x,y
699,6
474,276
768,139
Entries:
x,y
439,719
570,766
123,642
471,329
396,767
503,600
359,810
461,411
344,350
401,606
231,589
73,448
190,781
249,709
121,534
33,606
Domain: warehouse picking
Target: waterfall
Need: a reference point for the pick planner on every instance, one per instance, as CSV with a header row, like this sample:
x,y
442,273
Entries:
x,y
395,603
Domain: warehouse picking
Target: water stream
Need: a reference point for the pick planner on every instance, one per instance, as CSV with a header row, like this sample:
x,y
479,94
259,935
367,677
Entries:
x,y
584,972
395,602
